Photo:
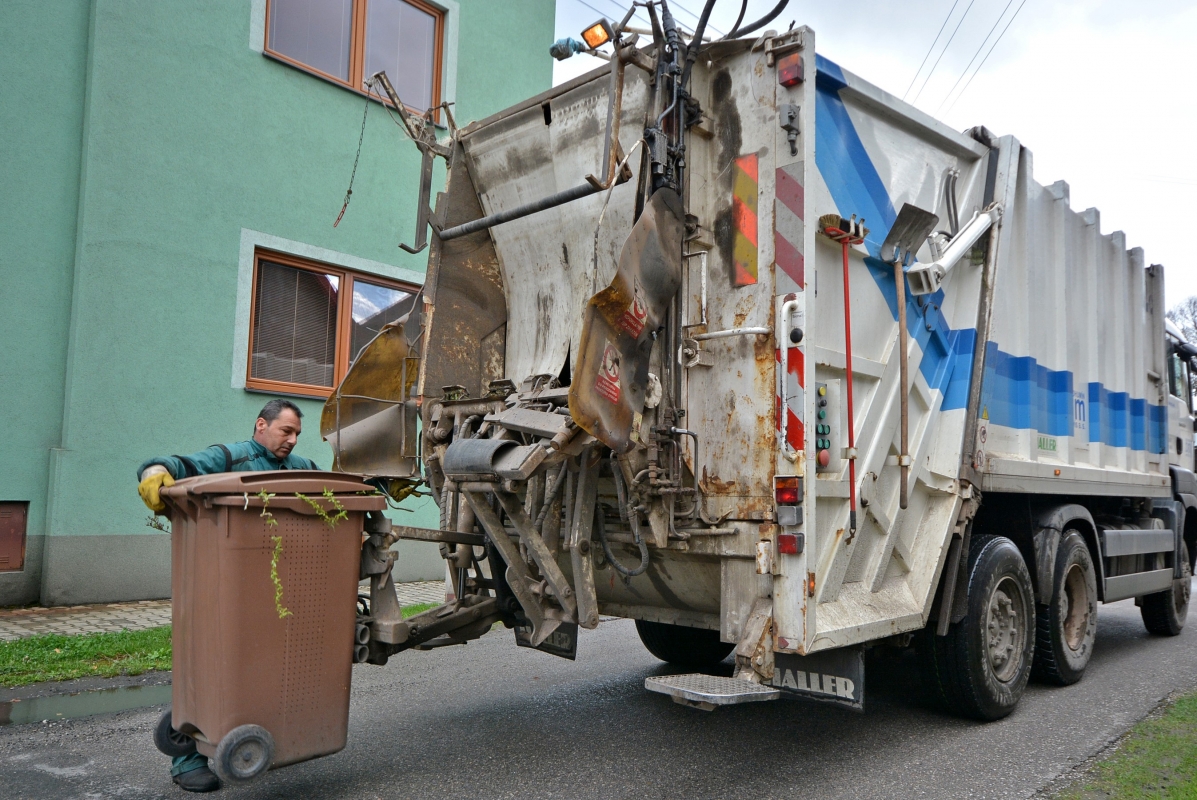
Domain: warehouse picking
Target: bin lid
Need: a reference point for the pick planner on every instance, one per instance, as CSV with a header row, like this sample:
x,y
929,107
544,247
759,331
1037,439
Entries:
x,y
283,481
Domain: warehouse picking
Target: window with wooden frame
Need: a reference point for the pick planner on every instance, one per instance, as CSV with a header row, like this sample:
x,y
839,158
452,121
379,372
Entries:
x,y
347,41
308,322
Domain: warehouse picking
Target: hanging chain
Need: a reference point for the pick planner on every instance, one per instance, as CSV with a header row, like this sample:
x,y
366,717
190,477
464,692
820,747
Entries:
x,y
353,174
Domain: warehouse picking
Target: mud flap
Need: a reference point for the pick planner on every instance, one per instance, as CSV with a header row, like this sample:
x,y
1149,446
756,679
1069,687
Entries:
x,y
606,398
834,676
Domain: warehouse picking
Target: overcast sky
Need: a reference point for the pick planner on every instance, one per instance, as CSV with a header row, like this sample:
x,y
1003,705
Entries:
x,y
1102,92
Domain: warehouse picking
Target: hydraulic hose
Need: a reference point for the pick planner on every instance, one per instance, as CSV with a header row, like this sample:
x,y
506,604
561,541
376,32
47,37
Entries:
x,y
550,498
633,518
601,528
760,23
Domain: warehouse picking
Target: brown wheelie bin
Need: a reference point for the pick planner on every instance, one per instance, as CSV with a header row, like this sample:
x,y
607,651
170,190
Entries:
x,y
265,592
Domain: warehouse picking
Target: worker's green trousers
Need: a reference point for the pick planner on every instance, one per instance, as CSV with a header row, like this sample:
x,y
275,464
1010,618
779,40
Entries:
x,y
181,764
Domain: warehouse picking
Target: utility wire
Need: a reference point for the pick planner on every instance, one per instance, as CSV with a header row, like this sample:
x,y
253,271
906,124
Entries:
x,y
945,49
929,49
980,47
677,4
995,44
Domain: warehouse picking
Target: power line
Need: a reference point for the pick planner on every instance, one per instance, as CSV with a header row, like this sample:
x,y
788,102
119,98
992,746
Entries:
x,y
945,49
678,4
980,47
995,44
930,49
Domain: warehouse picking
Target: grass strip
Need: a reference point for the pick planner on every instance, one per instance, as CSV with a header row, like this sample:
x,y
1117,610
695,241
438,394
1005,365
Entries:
x,y
1157,759
418,608
53,657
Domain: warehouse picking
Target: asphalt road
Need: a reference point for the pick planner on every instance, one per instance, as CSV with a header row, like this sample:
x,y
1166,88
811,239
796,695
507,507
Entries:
x,y
492,721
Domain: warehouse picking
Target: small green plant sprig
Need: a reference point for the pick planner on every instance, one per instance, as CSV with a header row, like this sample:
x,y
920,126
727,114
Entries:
x,y
153,522
265,497
332,520
283,613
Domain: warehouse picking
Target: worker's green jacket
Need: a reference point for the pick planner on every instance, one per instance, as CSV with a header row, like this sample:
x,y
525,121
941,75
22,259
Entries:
x,y
244,456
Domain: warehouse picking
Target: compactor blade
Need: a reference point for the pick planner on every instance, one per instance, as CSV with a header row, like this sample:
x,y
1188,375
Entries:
x,y
606,396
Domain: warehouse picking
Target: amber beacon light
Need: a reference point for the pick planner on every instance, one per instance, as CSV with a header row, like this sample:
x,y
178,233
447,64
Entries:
x,y
597,34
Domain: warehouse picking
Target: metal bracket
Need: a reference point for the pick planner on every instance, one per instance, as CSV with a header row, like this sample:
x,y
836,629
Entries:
x,y
787,113
691,355
780,45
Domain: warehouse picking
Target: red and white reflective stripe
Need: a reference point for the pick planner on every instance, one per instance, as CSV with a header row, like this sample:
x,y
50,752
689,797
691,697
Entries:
x,y
790,277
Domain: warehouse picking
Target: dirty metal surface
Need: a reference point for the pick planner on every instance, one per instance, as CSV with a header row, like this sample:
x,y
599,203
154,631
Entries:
x,y
465,313
368,420
549,258
606,398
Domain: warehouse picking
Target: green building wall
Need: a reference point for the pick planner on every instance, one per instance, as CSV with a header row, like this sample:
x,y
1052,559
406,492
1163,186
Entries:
x,y
149,146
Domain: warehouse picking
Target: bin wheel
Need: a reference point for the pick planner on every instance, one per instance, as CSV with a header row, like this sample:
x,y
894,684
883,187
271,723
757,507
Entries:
x,y
244,753
169,741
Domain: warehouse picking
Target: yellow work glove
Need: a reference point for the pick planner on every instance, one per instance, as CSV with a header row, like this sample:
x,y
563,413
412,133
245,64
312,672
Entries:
x,y
151,484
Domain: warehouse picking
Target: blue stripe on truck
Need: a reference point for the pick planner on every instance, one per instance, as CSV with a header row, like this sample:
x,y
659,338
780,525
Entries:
x,y
1017,391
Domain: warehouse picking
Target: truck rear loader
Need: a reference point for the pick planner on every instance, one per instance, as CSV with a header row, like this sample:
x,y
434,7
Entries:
x,y
724,339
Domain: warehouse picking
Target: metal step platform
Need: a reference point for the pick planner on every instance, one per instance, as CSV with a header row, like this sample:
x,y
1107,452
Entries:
x,y
709,691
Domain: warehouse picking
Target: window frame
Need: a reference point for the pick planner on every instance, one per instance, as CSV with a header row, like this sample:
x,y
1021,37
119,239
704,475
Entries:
x,y
357,55
344,320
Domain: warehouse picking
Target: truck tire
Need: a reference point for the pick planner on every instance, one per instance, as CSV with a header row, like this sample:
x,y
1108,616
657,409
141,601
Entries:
x,y
1164,612
681,646
981,667
1067,626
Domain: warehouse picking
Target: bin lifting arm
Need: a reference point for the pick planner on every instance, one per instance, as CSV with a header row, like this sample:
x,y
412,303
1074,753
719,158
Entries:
x,y
926,278
423,134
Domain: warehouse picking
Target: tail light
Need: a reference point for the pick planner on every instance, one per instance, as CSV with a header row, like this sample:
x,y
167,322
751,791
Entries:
x,y
787,490
789,70
790,544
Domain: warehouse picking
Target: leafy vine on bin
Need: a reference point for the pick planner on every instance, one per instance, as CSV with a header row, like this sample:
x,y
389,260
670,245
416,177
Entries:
x,y
332,520
266,515
278,584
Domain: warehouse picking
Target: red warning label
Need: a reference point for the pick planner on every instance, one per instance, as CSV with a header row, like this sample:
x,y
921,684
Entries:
x,y
636,315
607,382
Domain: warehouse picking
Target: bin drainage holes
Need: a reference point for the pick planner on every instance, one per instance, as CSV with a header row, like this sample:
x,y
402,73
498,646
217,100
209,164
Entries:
x,y
82,704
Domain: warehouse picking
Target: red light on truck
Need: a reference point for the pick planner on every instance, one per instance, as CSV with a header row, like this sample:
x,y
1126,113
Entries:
x,y
789,69
789,544
787,490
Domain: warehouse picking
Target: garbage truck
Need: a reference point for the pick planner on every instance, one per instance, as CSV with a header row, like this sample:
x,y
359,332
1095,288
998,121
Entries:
x,y
724,339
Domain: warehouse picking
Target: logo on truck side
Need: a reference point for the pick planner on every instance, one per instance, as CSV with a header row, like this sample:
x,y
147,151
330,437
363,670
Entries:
x,y
816,682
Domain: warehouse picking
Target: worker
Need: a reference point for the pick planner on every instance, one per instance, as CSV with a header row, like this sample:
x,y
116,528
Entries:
x,y
276,430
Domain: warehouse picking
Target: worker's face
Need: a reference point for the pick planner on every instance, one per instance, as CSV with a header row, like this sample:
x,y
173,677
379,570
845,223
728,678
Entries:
x,y
279,437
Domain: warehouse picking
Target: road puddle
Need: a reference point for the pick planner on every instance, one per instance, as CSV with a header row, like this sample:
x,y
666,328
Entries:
x,y
82,704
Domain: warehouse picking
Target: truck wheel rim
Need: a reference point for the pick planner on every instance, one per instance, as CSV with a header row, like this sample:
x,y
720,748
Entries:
x,y
1005,633
1076,607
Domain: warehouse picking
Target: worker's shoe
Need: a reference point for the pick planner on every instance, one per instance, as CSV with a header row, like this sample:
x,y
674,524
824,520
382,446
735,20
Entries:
x,y
198,780
191,773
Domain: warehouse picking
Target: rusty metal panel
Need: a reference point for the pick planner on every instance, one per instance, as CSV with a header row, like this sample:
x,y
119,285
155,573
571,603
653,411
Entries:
x,y
606,398
550,267
13,520
731,404
465,312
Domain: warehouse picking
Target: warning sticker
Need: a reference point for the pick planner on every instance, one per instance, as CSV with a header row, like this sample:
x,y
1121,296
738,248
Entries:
x,y
636,315
607,382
